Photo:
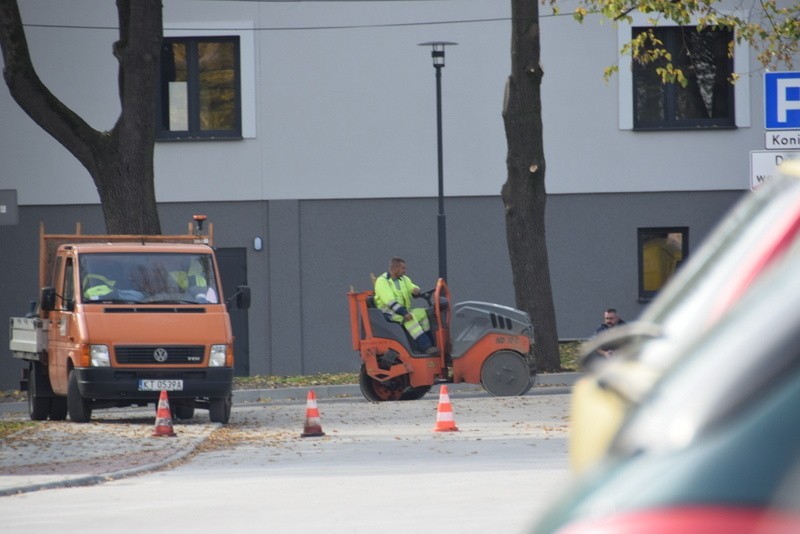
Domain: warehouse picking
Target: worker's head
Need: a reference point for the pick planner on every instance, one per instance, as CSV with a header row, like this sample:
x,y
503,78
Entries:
x,y
610,317
397,267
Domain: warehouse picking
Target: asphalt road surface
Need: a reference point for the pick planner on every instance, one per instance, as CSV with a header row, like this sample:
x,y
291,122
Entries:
x,y
379,468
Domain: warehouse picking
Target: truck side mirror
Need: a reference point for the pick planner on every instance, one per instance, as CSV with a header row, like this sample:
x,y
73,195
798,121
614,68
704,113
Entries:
x,y
243,297
48,298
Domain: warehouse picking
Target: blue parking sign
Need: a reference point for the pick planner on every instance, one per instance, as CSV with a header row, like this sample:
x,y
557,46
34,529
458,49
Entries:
x,y
781,100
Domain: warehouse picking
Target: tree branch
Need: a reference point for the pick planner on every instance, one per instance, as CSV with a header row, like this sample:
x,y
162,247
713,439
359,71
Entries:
x,y
33,96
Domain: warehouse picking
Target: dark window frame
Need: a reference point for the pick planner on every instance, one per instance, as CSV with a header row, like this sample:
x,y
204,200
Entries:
x,y
646,295
68,291
194,131
672,37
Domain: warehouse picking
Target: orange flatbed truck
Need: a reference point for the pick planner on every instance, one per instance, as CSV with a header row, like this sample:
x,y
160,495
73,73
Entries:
x,y
121,318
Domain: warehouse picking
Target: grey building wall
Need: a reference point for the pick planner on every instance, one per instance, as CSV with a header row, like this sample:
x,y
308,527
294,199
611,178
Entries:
x,y
592,247
335,118
316,250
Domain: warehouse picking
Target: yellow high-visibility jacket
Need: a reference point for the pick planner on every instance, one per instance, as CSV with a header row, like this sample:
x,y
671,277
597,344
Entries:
x,y
394,298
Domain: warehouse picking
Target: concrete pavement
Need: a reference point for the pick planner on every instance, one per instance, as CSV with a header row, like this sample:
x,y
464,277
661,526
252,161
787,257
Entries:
x,y
121,444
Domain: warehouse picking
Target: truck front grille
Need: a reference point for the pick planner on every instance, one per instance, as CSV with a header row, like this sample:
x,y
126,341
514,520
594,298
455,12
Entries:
x,y
159,354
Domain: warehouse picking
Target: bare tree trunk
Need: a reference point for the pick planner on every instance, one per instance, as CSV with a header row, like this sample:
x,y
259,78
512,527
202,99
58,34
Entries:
x,y
120,161
128,179
524,194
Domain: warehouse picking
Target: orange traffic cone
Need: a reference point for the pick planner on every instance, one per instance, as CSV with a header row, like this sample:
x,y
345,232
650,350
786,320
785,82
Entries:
x,y
163,417
445,422
313,426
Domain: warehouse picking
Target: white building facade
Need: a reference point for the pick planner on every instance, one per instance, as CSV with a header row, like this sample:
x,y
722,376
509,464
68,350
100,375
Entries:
x,y
326,164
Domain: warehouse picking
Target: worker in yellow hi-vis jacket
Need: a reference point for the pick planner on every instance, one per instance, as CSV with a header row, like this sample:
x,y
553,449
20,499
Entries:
x,y
394,292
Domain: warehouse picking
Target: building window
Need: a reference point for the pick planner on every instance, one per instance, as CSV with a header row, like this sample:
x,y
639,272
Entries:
x,y
661,252
708,99
199,90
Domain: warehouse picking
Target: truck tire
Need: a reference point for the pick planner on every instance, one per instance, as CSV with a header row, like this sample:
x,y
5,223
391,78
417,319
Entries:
x,y
80,410
506,373
58,408
38,406
182,411
219,409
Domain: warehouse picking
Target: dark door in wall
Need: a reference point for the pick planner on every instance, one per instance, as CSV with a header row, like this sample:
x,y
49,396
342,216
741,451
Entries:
x,y
233,270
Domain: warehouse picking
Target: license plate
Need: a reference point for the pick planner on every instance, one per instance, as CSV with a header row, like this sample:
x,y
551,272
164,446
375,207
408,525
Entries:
x,y
158,385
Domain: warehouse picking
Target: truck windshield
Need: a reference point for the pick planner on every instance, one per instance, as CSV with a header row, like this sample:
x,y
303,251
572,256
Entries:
x,y
151,278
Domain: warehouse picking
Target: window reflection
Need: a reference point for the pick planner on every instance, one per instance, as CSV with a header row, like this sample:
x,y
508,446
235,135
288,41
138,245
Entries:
x,y
707,100
199,94
217,86
661,252
150,278
174,87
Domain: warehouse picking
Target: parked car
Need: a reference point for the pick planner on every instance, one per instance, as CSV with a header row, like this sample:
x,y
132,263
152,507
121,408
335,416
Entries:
x,y
755,234
715,444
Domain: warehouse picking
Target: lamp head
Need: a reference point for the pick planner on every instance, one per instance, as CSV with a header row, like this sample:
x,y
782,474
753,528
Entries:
x,y
437,51
199,220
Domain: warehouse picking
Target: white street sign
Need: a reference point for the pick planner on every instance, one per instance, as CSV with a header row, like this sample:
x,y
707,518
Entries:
x,y
764,162
782,139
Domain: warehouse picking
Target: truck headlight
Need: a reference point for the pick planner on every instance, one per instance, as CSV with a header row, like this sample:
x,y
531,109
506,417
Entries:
x,y
99,356
217,356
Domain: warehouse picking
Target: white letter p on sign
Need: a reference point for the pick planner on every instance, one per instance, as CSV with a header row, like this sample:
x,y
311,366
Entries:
x,y
784,103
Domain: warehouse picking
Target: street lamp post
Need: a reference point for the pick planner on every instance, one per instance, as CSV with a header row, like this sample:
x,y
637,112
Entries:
x,y
437,53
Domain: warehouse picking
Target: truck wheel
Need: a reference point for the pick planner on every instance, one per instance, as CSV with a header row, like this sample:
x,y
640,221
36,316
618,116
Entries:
x,y
376,391
58,408
80,410
38,406
182,411
505,373
219,409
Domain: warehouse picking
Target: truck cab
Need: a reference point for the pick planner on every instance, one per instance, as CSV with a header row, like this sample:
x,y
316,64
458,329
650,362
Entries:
x,y
122,321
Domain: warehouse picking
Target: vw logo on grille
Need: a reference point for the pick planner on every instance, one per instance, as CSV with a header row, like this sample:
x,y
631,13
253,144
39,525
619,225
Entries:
x,y
160,355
